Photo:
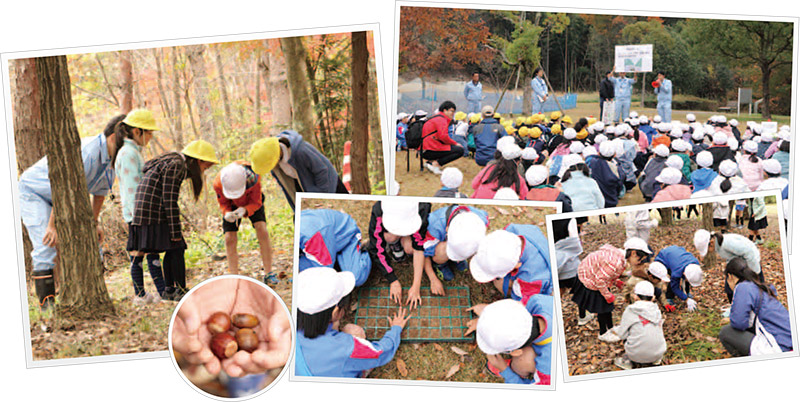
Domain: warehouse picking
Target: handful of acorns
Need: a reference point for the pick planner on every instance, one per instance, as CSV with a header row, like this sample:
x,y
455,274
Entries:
x,y
225,342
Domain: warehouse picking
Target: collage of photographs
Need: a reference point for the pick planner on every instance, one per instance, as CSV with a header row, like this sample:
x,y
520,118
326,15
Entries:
x,y
479,199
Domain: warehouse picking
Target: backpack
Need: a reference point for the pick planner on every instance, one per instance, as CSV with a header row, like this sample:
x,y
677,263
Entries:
x,y
414,136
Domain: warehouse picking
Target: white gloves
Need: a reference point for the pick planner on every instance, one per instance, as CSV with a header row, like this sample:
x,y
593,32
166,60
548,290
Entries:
x,y
230,217
240,212
691,305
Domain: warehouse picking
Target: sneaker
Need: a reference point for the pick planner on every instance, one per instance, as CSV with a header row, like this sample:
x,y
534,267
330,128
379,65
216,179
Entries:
x,y
623,362
271,279
397,252
433,169
494,370
657,362
443,272
585,320
610,337
462,266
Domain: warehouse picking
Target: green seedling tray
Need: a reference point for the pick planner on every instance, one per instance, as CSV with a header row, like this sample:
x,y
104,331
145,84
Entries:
x,y
436,319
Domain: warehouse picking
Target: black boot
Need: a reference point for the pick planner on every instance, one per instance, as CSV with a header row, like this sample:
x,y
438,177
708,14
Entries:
x,y
45,288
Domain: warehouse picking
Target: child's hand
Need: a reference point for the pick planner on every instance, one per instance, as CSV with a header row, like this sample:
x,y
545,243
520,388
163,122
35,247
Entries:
x,y
725,321
611,299
399,319
396,291
436,286
477,309
619,283
414,299
472,325
497,362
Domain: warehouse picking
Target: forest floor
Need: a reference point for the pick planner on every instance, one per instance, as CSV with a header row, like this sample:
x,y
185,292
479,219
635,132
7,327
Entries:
x,y
145,328
433,361
691,337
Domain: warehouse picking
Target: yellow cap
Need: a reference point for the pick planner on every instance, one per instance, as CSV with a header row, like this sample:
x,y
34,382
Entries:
x,y
556,129
141,118
264,154
535,119
460,116
202,150
496,115
567,120
510,129
529,121
476,118
524,131
582,134
504,122
520,121
591,120
555,115
535,132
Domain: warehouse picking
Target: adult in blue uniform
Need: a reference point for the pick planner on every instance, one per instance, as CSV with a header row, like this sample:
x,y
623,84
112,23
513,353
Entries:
x,y
663,90
516,260
539,91
473,92
332,239
623,87
36,204
324,351
524,331
679,268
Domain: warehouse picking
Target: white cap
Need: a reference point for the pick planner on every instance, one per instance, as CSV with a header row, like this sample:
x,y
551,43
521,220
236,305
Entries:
x,y
728,168
733,144
463,235
705,159
402,115
643,120
537,174
576,147
607,149
610,130
680,145
701,239
657,119
690,117
676,132
637,243
498,254
420,113
667,126
757,128
782,128
529,154
321,288
720,138
785,135
587,151
750,124
234,181
503,326
709,129
644,288
570,160
659,271
598,127
669,176
633,114
722,119
661,150
750,146
734,122
621,130
634,122
675,161
693,274
714,118
505,141
771,166
600,138
452,177
401,217
505,193
757,139
511,151
570,133
685,127
767,137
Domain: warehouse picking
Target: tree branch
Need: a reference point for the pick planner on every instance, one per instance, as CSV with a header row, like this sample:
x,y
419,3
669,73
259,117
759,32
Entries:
x,y
96,95
105,79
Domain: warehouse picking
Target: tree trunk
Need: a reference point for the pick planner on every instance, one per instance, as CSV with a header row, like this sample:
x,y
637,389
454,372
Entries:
x,y
162,95
177,118
375,133
708,224
202,106
302,110
280,100
257,98
223,86
83,290
263,69
527,96
666,216
28,133
765,91
126,81
359,79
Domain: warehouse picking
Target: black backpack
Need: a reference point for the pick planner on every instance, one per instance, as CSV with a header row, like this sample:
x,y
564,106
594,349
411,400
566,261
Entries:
x,y
414,134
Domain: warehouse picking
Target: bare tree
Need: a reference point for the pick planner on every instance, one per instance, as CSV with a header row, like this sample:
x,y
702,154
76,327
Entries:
x,y
126,81
223,86
280,100
302,109
205,114
359,79
177,118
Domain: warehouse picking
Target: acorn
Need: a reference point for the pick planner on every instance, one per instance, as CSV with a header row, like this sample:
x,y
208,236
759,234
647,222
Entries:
x,y
218,323
224,345
245,320
247,339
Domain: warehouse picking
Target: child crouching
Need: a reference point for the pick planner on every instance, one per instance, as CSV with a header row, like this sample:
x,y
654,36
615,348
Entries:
x,y
641,329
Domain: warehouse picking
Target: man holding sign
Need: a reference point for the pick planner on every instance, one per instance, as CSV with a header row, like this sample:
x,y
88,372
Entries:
x,y
663,89
623,87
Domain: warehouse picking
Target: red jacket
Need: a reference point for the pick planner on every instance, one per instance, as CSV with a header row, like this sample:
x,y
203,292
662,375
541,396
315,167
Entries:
x,y
250,200
439,140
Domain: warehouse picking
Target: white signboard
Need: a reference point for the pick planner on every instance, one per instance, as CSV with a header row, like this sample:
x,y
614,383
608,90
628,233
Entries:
x,y
633,58
769,127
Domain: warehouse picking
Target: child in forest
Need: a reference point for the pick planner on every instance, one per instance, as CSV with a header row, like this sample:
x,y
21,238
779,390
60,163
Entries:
x,y
641,329
133,134
681,270
239,196
451,180
596,273
322,350
453,235
332,239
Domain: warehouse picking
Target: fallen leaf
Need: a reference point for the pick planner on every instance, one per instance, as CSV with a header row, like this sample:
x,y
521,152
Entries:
x,y
458,351
453,370
401,367
502,211
438,347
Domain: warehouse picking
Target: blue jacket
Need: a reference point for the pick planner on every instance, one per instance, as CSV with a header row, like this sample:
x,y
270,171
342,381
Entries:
x,y
647,179
401,134
337,354
473,93
676,258
534,275
627,171
611,185
702,178
314,171
649,131
487,132
438,221
331,238
539,88
762,148
697,148
583,191
664,92
749,299
622,87
540,306
784,159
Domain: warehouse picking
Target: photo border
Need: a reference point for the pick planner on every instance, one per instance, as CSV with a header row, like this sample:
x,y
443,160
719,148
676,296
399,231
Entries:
x,y
795,21
6,57
681,366
412,382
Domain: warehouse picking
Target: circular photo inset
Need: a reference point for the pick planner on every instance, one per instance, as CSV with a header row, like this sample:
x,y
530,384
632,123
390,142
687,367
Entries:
x,y
231,337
